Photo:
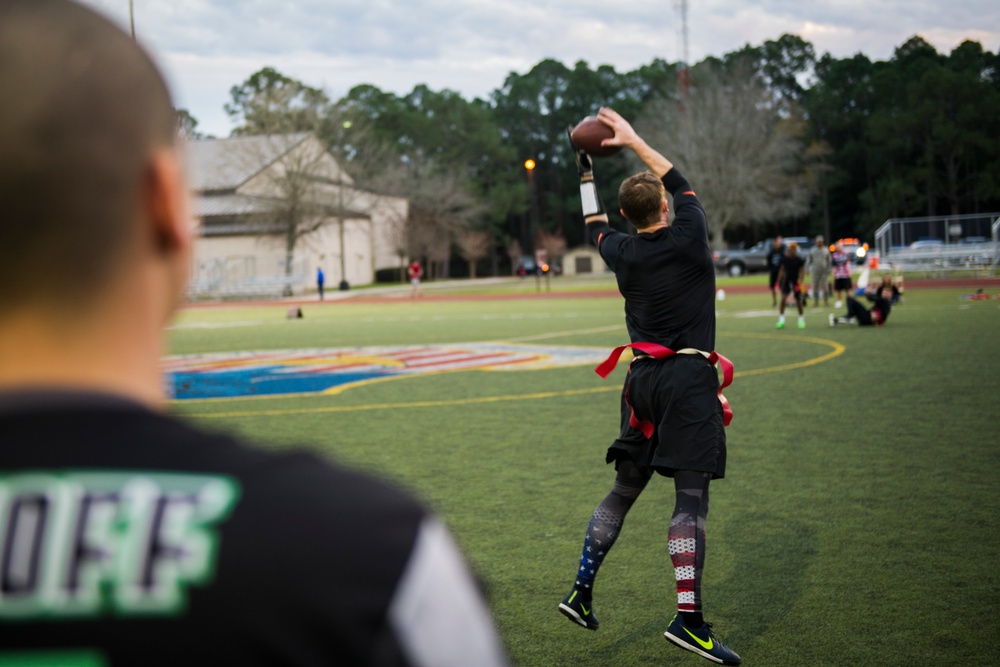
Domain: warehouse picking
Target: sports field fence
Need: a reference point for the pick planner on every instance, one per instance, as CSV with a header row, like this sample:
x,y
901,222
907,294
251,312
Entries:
x,y
940,243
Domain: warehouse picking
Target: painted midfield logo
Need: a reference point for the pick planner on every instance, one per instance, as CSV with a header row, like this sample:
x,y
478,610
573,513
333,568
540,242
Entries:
x,y
283,372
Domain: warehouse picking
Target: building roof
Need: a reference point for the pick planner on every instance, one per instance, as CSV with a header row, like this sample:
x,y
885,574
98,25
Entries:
x,y
227,205
226,164
207,206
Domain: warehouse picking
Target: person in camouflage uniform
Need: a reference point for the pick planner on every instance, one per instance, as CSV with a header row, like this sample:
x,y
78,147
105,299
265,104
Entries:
x,y
818,264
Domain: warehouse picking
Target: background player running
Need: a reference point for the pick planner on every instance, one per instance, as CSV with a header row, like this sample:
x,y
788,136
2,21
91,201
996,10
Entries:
x,y
666,274
773,261
790,276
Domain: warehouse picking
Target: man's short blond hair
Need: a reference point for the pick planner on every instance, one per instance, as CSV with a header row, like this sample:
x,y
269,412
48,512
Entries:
x,y
641,198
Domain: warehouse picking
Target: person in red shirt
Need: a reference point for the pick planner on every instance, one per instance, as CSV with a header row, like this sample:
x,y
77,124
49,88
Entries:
x,y
415,272
841,273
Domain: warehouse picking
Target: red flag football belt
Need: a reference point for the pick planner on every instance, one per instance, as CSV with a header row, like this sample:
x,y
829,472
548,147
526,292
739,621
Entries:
x,y
661,352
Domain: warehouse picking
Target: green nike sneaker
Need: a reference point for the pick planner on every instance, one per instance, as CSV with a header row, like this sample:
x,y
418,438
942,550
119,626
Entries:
x,y
578,610
701,641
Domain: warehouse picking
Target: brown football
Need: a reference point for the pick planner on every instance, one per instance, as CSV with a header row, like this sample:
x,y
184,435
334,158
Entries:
x,y
588,134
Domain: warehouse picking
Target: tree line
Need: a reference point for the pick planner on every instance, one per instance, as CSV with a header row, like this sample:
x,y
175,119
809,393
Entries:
x,y
775,139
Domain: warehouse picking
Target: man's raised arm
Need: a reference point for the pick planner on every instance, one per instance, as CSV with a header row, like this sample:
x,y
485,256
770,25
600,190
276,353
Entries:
x,y
625,135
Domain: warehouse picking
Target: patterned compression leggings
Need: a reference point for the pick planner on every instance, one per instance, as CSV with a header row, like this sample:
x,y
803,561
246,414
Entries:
x,y
686,537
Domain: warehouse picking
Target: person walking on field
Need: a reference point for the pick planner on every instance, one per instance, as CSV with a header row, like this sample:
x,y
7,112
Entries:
x,y
320,281
415,272
673,414
127,536
841,263
790,277
818,264
774,256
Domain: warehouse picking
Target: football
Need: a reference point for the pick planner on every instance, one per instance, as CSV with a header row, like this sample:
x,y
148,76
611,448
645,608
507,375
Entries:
x,y
588,134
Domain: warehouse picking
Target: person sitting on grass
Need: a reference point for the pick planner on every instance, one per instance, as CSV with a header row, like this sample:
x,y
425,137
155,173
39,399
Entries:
x,y
876,316
888,283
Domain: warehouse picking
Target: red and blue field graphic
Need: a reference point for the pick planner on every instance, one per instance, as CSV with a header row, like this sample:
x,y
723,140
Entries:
x,y
287,372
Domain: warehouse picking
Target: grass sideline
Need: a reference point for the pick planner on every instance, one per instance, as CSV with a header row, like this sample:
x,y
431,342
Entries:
x,y
857,525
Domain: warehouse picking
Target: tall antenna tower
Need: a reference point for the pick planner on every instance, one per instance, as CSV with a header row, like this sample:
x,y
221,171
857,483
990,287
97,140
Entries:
x,y
681,7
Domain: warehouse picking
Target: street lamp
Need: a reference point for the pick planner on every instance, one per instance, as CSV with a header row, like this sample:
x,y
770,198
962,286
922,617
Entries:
x,y
344,285
529,166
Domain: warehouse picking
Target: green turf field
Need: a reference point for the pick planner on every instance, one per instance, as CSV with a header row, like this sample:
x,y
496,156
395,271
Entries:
x,y
857,524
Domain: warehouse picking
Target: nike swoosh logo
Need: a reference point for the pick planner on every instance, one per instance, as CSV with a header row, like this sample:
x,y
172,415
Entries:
x,y
705,645
586,612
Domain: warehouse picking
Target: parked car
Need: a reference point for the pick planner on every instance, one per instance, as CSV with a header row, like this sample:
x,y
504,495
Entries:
x,y
737,262
927,245
526,266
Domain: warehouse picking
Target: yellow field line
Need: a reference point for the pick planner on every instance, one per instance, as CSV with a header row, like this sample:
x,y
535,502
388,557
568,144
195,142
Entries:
x,y
837,350
413,404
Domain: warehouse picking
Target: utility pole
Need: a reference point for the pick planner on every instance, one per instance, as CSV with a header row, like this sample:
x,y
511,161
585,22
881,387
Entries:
x,y
344,285
131,18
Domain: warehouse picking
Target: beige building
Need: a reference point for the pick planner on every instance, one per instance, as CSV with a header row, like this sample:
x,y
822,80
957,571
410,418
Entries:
x,y
254,194
583,260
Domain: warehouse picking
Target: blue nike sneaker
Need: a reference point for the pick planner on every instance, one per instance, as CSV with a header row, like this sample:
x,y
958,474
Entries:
x,y
701,641
578,610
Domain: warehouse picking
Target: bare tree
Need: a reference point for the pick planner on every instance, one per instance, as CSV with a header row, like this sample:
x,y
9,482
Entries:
x,y
744,154
441,204
514,252
299,182
473,246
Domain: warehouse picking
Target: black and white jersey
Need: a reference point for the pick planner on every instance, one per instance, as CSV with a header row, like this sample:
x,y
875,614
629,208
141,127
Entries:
x,y
130,538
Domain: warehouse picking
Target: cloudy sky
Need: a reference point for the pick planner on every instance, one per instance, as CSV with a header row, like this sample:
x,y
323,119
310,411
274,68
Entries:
x,y
207,46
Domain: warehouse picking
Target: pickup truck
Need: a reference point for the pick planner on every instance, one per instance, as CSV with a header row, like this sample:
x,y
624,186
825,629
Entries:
x,y
754,259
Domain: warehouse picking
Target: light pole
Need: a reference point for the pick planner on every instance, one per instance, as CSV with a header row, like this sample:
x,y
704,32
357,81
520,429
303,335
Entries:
x,y
529,167
344,285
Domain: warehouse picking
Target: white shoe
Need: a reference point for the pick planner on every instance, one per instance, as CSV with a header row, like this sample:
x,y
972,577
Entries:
x,y
838,304
833,320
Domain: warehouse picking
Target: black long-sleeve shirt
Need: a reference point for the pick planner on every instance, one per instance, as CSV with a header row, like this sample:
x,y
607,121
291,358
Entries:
x,y
666,276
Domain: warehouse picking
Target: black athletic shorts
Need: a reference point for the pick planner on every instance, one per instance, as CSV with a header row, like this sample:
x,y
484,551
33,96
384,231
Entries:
x,y
679,395
772,279
842,284
788,288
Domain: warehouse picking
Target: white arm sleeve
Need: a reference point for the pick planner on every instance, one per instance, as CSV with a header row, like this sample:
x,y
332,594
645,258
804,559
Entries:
x,y
437,611
589,199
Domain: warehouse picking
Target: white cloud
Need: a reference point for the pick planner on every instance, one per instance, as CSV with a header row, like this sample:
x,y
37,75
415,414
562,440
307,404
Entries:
x,y
470,46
